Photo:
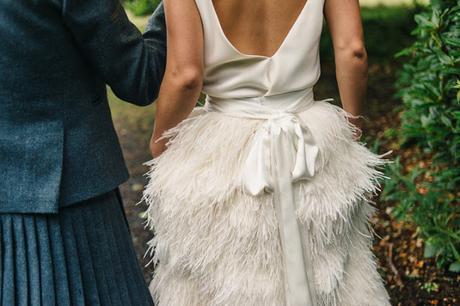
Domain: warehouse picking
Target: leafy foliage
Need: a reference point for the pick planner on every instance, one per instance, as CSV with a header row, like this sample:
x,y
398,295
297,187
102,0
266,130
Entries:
x,y
428,193
142,7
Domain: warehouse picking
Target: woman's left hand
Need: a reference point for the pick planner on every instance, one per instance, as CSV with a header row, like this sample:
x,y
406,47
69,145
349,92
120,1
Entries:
x,y
358,133
157,147
358,124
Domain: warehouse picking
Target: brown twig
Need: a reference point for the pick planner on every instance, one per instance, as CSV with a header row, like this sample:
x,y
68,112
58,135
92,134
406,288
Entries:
x,y
392,266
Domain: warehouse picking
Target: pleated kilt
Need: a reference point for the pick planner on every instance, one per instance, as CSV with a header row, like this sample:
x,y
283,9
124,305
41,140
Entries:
x,y
82,256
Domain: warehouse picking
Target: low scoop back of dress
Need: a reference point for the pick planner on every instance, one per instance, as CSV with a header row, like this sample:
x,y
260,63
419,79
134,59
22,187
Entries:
x,y
295,66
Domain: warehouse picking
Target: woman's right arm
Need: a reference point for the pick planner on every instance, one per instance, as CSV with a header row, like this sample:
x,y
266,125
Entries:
x,y
183,81
344,23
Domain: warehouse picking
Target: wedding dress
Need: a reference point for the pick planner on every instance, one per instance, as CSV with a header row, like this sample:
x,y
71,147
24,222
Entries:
x,y
263,196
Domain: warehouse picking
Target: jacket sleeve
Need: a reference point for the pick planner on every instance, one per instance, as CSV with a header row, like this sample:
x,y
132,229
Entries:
x,y
132,64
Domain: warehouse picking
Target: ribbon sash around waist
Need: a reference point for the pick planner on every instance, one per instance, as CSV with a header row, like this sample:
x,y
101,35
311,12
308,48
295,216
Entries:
x,y
283,151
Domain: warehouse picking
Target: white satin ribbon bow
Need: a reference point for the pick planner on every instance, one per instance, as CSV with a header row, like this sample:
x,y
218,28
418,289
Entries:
x,y
257,173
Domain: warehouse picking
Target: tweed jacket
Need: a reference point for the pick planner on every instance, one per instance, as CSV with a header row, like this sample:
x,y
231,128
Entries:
x,y
58,145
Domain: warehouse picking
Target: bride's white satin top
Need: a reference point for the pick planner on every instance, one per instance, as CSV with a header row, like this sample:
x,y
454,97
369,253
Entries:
x,y
232,74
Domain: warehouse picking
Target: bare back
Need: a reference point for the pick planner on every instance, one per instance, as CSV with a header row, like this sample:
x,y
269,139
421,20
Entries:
x,y
257,27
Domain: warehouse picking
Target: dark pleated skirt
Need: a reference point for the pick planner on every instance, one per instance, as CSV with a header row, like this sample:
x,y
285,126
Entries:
x,y
82,256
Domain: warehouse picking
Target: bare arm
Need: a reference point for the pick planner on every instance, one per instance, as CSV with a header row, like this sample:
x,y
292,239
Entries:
x,y
183,79
344,23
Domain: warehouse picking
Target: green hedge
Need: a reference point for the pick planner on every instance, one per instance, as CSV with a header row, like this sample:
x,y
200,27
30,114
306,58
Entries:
x,y
428,83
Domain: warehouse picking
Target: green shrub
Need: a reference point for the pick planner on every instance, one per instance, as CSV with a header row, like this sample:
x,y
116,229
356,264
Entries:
x,y
142,7
428,84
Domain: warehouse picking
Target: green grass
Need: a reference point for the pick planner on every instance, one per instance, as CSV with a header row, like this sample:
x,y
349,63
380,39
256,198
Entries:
x,y
139,21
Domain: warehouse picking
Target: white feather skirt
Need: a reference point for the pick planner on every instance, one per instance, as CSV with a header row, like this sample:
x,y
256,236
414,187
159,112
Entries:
x,y
215,245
